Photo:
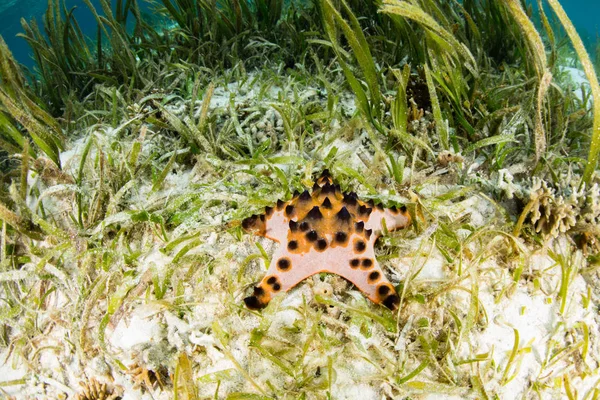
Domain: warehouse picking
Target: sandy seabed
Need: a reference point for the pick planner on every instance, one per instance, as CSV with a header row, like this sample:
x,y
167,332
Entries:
x,y
483,322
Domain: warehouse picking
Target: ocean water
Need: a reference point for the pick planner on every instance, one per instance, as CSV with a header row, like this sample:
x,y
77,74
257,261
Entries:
x,y
12,11
583,13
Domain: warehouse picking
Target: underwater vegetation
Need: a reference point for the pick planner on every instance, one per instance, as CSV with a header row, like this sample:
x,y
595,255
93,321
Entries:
x,y
131,159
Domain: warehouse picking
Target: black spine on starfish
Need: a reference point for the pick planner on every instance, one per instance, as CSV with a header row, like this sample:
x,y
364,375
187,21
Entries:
x,y
344,215
314,213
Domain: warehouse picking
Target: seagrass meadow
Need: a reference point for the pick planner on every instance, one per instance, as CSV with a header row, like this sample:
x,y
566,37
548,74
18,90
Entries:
x,y
130,159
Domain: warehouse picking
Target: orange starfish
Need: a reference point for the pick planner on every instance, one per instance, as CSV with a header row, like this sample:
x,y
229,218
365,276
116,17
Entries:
x,y
325,231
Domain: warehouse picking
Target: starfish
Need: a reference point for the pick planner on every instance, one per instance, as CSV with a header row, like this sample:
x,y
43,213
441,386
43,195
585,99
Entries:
x,y
325,231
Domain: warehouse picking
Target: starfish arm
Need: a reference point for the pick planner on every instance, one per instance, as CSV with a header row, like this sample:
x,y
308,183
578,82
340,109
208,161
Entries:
x,y
273,224
287,269
394,219
373,283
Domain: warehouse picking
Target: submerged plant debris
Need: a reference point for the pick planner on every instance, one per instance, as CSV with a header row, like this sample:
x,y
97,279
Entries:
x,y
131,163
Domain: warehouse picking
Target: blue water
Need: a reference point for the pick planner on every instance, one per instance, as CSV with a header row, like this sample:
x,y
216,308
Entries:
x,y
584,14
11,12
